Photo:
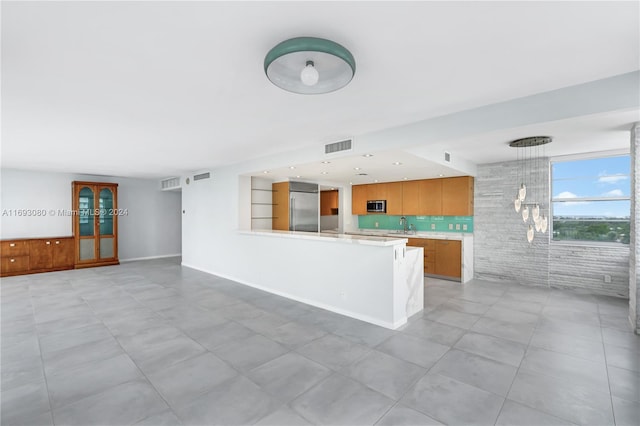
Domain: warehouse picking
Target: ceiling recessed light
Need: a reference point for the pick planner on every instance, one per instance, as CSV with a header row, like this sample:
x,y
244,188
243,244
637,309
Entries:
x,y
368,155
333,189
292,167
440,175
298,176
266,171
356,168
396,163
405,178
326,162
324,173
375,180
350,183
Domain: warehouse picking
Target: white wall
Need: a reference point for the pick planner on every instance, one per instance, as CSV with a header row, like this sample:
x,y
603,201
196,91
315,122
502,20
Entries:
x,y
151,228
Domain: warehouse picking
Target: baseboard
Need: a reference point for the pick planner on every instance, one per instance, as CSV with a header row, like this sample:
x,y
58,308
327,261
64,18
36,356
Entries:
x,y
347,313
150,257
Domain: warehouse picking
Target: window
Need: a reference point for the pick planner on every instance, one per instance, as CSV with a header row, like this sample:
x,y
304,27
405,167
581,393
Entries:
x,y
590,199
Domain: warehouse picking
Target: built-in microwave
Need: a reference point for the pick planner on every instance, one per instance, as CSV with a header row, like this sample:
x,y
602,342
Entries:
x,y
377,206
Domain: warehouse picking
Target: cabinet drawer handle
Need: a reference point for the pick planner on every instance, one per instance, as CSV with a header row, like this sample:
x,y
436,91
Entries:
x,y
12,245
48,242
13,260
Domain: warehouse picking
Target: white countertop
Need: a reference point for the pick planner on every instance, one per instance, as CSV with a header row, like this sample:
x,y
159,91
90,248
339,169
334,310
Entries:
x,y
371,240
434,235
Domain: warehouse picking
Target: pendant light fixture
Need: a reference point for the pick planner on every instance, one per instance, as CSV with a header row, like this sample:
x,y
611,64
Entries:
x,y
309,65
530,162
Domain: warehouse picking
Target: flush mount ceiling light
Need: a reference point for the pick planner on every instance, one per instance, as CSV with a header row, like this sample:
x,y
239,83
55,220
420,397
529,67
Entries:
x,y
309,65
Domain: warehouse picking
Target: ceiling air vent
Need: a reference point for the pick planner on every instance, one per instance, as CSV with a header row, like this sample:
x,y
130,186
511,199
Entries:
x,y
330,148
170,183
447,157
202,176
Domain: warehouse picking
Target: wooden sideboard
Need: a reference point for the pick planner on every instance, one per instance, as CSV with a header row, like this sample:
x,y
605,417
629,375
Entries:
x,y
34,255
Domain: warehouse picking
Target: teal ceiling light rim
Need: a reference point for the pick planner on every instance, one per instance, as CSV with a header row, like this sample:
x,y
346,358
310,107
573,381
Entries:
x,y
310,44
286,65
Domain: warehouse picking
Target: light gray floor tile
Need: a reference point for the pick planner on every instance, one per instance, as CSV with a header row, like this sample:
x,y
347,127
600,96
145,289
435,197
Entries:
x,y
240,311
514,414
573,370
284,416
452,318
520,333
251,352
19,351
422,352
627,413
79,336
235,402
575,403
333,351
127,403
565,313
495,348
618,322
293,334
575,346
219,335
264,323
620,357
441,397
68,323
22,404
435,331
384,373
509,302
56,362
21,372
405,416
363,333
288,376
466,306
167,418
477,371
571,328
511,316
624,384
621,338
339,400
76,383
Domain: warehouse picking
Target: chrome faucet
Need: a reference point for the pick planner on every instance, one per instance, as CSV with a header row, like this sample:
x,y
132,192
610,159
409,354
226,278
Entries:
x,y
405,224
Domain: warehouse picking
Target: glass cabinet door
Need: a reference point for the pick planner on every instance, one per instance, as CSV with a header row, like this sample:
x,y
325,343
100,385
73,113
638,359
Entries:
x,y
86,219
106,224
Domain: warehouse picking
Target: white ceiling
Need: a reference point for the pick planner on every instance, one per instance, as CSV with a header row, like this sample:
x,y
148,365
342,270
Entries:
x,y
154,89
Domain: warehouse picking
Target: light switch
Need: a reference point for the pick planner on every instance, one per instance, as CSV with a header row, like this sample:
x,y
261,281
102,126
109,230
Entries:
x,y
457,226
451,227
433,226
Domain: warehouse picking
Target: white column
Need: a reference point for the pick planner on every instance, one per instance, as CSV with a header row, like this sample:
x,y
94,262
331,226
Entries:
x,y
634,255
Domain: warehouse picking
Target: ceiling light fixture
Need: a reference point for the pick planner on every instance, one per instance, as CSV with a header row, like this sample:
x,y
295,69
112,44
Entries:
x,y
265,172
396,163
324,173
356,168
309,65
368,155
292,167
326,162
531,168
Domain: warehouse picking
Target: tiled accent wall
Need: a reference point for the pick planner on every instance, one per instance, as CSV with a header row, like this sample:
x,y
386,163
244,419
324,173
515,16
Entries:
x,y
634,254
422,223
503,253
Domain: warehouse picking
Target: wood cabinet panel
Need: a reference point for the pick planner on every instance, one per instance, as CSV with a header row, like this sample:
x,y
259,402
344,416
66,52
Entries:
x,y
359,199
457,196
328,203
411,198
430,197
14,248
40,254
448,260
63,252
12,265
280,206
394,198
377,191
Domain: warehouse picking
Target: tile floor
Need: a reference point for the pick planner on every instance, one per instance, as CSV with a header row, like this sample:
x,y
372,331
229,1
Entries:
x,y
151,343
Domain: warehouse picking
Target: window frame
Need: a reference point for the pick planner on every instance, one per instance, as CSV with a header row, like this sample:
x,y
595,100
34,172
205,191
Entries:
x,y
578,157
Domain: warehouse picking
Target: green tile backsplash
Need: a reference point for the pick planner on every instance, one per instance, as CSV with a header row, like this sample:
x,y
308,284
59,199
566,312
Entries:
x,y
422,223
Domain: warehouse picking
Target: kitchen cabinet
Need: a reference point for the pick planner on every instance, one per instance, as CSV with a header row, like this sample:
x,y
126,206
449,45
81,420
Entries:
x,y
280,206
411,198
377,191
431,197
394,198
328,203
457,196
95,227
441,257
359,199
33,255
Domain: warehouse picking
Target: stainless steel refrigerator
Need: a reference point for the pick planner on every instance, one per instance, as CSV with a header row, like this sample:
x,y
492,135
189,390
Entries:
x,y
304,206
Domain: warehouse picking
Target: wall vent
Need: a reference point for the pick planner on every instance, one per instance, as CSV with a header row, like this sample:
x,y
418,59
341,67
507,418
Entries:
x,y
170,183
447,157
202,176
344,145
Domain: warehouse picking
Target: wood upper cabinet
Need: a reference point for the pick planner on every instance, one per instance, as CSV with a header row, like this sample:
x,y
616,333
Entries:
x,y
359,199
377,191
411,198
394,198
329,203
280,206
457,196
431,197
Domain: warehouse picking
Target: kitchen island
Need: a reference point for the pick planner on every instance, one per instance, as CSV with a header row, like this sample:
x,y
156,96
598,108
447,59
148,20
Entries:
x,y
375,279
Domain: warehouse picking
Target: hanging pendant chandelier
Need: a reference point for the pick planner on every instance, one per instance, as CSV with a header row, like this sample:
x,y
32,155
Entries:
x,y
529,198
309,65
